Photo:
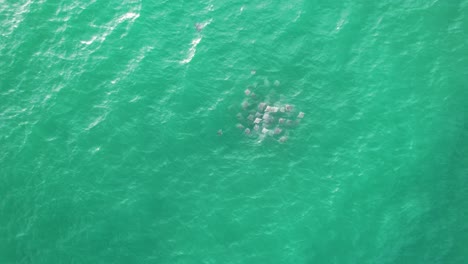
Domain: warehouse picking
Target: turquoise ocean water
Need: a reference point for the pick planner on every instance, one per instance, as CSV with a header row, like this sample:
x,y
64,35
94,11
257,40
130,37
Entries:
x,y
109,119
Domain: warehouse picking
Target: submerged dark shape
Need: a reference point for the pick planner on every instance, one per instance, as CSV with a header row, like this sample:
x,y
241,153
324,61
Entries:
x,y
261,106
267,115
199,26
220,132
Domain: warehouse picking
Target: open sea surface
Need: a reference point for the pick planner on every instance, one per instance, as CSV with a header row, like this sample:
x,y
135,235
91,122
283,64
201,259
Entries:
x,y
122,131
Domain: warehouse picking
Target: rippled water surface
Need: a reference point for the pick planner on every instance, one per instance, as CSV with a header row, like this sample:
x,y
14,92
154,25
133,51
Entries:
x,y
122,131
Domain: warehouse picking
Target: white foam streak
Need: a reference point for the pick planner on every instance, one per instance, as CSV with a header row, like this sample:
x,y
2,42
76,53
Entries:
x,y
88,42
192,51
128,16
109,28
95,122
195,42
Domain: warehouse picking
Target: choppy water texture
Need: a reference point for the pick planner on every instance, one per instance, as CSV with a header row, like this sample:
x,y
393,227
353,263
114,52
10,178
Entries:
x,y
109,120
